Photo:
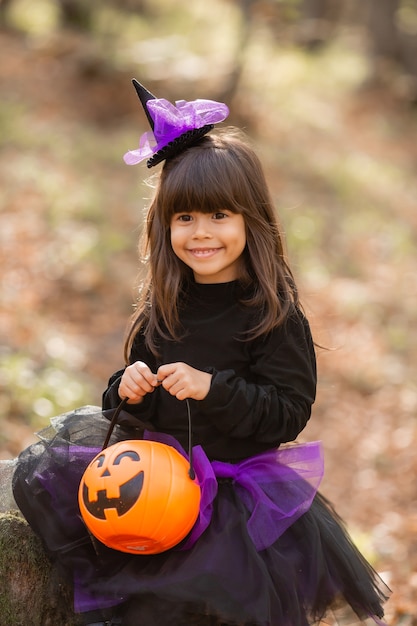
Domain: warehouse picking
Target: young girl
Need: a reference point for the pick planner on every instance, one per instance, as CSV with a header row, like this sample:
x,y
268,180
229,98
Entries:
x,y
218,332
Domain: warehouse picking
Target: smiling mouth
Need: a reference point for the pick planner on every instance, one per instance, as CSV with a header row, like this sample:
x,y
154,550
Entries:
x,y
203,252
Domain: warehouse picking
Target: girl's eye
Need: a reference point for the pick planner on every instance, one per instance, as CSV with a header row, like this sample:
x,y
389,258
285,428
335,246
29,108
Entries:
x,y
184,217
219,215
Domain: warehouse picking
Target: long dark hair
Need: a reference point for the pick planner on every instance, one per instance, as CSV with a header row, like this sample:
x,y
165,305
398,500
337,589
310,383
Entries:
x,y
222,171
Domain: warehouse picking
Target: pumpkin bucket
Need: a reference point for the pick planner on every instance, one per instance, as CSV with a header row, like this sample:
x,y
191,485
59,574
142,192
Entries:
x,y
139,496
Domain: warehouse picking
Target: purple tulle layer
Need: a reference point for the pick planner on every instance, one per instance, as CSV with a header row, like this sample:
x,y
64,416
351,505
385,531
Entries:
x,y
266,550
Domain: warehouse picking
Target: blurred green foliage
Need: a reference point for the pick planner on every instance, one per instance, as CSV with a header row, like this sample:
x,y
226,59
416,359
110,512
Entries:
x,y
72,212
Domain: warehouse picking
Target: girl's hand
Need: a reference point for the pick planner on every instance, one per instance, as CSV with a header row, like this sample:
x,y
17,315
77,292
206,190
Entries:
x,y
136,382
183,381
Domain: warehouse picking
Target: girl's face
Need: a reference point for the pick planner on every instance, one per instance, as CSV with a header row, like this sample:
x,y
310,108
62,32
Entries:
x,y
211,244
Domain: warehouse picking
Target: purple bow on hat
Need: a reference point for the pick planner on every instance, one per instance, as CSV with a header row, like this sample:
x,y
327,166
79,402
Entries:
x,y
174,128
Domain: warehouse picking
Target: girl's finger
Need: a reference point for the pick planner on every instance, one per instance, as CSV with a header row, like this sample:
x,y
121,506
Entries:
x,y
147,375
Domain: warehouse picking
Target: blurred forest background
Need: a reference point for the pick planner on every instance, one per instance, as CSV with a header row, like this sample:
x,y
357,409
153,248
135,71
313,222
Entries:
x,y
327,91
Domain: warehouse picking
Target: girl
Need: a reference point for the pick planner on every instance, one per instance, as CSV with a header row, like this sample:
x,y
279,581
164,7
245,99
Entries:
x,y
219,332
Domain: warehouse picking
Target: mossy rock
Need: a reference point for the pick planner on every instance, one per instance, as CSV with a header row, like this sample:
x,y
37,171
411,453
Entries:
x,y
31,594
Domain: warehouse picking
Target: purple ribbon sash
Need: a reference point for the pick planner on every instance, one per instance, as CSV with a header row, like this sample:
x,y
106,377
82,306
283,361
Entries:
x,y
276,487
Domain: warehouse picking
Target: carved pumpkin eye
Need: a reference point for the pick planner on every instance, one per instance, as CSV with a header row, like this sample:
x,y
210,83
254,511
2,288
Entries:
x,y
137,496
130,454
100,460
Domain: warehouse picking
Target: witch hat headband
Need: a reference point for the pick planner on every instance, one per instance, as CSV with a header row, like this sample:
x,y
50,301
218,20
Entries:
x,y
174,127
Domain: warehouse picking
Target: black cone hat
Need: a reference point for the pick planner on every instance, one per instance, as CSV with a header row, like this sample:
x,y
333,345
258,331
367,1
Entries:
x,y
144,96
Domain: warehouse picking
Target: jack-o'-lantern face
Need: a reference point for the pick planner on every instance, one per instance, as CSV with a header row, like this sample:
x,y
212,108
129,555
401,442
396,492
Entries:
x,y
113,483
138,497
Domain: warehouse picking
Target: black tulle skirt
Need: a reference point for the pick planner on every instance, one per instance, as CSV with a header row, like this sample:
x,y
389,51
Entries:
x,y
310,571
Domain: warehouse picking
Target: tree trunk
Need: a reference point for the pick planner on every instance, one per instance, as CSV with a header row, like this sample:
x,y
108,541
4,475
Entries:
x,y
31,594
382,29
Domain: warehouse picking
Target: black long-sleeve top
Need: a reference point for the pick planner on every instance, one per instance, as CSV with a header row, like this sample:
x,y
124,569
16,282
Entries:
x,y
261,391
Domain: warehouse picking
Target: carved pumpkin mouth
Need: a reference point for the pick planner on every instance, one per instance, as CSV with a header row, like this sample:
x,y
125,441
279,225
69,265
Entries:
x,y
129,494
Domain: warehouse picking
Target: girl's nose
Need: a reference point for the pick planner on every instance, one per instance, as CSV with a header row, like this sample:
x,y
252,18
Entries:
x,y
202,227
